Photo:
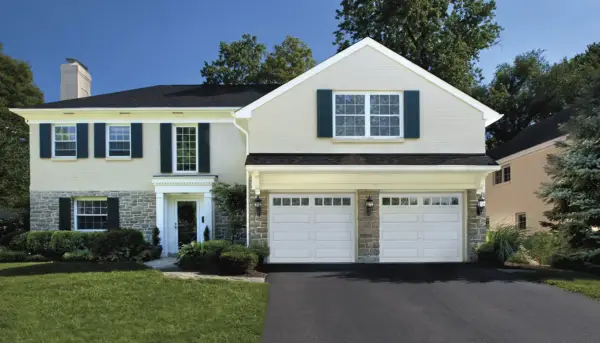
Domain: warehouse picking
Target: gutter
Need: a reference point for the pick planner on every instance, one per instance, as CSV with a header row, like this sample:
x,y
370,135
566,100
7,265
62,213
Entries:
x,y
247,180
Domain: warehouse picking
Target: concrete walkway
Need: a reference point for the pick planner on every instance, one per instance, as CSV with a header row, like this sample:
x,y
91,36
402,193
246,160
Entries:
x,y
170,269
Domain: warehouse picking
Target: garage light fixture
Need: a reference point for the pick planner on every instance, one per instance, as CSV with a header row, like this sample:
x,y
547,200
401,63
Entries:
x,y
369,203
480,205
258,205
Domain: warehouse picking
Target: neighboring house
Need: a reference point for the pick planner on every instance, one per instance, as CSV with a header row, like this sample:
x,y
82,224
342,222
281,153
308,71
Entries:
x,y
364,158
511,192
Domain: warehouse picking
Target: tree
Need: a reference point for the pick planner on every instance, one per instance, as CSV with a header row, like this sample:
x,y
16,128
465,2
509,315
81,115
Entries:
x,y
441,36
231,200
247,62
17,89
574,190
288,60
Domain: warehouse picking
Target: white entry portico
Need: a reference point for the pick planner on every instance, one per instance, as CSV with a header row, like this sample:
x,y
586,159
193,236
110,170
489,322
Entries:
x,y
171,190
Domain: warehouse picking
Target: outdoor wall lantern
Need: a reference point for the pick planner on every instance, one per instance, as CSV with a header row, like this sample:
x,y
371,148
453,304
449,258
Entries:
x,y
258,205
369,203
480,205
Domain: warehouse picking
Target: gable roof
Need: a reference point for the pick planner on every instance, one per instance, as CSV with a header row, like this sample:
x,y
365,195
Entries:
x,y
169,96
489,114
531,136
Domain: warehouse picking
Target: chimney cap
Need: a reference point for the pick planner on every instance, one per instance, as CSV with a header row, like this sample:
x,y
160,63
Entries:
x,y
73,60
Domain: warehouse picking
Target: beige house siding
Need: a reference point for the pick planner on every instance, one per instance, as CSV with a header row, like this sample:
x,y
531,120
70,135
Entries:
x,y
505,200
287,124
228,153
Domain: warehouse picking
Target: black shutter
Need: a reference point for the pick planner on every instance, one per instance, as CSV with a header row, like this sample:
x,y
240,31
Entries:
x,y
64,213
45,140
112,220
412,126
203,157
82,141
166,152
99,140
324,113
137,142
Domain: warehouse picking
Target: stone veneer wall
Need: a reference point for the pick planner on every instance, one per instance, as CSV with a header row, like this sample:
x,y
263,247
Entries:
x,y
258,230
476,227
137,210
368,227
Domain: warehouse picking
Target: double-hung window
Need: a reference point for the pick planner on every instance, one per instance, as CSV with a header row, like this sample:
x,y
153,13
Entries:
x,y
186,147
119,140
91,214
502,175
64,138
368,115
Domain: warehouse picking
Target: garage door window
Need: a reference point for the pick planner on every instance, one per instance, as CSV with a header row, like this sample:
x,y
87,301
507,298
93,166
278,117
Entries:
x,y
292,201
440,201
400,201
337,201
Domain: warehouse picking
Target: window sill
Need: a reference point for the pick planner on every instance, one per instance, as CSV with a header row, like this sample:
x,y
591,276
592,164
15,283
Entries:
x,y
118,158
64,158
368,140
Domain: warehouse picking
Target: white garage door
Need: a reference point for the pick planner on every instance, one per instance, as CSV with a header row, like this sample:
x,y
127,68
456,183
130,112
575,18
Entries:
x,y
421,228
306,228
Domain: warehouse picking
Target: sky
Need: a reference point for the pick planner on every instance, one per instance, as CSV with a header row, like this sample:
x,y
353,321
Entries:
x,y
129,44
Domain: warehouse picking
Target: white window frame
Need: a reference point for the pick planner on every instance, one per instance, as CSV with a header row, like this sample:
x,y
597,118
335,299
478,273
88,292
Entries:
x,y
174,149
54,141
108,126
77,199
367,95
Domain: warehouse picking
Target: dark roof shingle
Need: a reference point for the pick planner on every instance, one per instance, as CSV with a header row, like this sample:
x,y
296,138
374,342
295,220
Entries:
x,y
171,96
370,159
531,136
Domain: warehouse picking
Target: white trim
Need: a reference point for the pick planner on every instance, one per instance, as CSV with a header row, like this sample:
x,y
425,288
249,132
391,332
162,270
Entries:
x,y
125,109
183,184
75,214
174,149
107,139
367,116
53,142
370,168
130,120
489,114
531,150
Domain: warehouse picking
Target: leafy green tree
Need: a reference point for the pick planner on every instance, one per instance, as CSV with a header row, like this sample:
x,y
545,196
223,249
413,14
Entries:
x,y
441,36
247,61
288,60
17,89
574,190
230,199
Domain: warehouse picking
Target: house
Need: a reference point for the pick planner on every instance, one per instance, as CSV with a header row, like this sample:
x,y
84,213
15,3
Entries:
x,y
364,158
511,191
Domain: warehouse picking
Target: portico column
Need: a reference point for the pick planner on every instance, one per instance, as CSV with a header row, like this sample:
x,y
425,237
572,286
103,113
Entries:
x,y
208,215
160,221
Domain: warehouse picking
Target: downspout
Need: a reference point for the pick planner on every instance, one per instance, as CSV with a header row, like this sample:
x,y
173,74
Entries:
x,y
247,181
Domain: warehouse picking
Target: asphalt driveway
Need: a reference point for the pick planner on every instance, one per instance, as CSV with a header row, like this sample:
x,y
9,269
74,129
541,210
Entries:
x,y
423,303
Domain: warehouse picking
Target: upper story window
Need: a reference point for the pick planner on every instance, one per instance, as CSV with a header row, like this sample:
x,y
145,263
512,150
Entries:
x,y
186,146
64,140
368,114
502,175
119,140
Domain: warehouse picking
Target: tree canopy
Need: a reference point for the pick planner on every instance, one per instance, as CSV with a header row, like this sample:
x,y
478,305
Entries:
x,y
574,190
443,37
17,89
247,61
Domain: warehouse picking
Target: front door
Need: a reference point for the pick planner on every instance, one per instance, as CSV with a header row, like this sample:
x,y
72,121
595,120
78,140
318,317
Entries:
x,y
187,222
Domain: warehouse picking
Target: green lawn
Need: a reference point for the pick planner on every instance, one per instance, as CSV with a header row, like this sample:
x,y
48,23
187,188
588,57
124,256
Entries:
x,y
77,302
589,287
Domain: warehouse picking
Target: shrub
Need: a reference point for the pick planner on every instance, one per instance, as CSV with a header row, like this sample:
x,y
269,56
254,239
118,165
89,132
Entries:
x,y
38,242
237,262
206,234
542,245
20,256
193,256
19,242
574,261
116,245
215,247
262,251
236,247
520,257
79,256
593,256
62,242
8,237
504,240
155,236
156,251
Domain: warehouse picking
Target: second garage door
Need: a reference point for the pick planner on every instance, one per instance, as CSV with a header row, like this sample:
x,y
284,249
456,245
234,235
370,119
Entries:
x,y
309,228
421,228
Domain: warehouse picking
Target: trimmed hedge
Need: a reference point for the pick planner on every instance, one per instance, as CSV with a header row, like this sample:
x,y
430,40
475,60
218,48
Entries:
x,y
38,242
19,242
20,256
262,251
238,262
219,257
62,242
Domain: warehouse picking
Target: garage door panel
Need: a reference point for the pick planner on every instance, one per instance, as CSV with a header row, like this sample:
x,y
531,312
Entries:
x,y
282,236
333,218
400,218
341,236
333,253
440,236
438,217
291,218
389,236
400,253
292,253
440,252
